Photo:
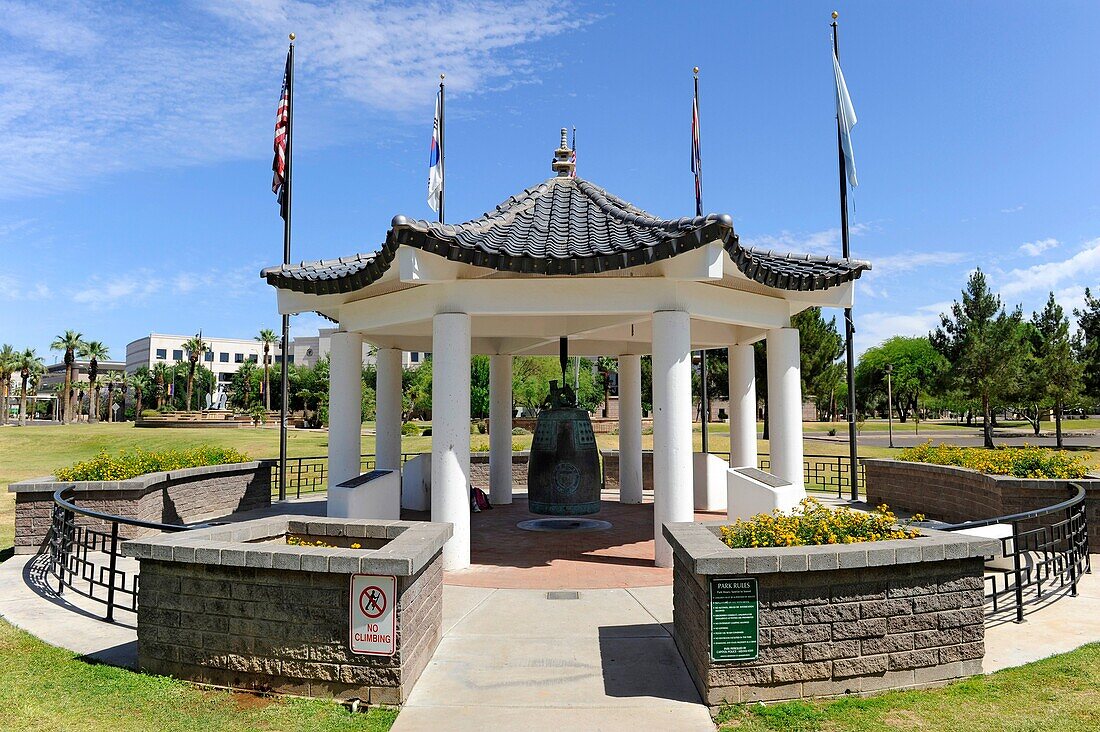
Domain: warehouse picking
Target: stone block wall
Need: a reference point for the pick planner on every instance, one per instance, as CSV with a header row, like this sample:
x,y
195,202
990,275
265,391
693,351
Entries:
x,y
954,495
611,470
236,606
842,632
175,497
479,470
837,619
280,631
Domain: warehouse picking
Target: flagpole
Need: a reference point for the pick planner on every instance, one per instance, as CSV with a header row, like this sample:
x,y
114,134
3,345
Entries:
x,y
704,407
285,345
849,329
442,157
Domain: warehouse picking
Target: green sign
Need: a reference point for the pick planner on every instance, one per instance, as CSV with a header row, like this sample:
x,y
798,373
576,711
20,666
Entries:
x,y
734,614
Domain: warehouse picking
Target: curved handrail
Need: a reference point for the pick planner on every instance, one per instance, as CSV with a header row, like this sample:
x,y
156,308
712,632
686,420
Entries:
x,y
1078,497
68,505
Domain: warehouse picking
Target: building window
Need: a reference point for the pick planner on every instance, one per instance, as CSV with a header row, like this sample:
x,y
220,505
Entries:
x,y
252,357
162,353
278,358
415,357
177,355
238,358
290,358
208,356
223,357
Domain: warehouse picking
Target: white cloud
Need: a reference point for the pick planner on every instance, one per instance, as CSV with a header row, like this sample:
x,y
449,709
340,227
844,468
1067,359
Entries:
x,y
88,91
875,327
106,292
1035,248
12,288
822,242
1084,265
890,266
1012,209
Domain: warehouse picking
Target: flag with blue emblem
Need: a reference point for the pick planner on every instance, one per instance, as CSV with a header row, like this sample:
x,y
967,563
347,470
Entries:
x,y
435,160
846,119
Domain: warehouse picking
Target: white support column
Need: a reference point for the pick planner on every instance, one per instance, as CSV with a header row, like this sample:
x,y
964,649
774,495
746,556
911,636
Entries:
x,y
630,429
673,496
388,409
742,375
500,430
345,404
451,433
785,405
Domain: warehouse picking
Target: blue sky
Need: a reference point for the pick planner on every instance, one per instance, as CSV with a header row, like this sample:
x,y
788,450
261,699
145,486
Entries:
x,y
135,142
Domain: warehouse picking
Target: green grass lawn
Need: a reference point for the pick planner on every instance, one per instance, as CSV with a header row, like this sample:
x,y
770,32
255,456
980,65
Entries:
x,y
1061,693
42,687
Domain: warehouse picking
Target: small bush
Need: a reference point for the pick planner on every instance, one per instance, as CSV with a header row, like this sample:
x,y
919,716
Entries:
x,y
832,432
482,426
520,431
132,463
410,430
427,432
814,524
149,414
1019,462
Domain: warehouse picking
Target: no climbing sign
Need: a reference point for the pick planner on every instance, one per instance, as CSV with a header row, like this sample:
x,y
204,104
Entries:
x,y
372,621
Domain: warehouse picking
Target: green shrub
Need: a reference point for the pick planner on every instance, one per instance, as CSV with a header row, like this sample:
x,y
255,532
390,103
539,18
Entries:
x,y
814,524
132,463
427,432
520,431
410,430
149,414
1020,462
482,426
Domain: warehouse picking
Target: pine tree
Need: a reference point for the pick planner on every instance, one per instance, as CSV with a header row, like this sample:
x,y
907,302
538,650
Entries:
x,y
984,345
1058,369
1088,343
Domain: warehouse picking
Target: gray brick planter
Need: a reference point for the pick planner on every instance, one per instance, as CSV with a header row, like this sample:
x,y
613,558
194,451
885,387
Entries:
x,y
833,620
954,495
236,606
174,497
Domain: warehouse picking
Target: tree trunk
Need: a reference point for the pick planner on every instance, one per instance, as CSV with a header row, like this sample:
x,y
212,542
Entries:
x,y
93,410
987,423
67,396
1058,422
190,385
4,385
22,404
122,398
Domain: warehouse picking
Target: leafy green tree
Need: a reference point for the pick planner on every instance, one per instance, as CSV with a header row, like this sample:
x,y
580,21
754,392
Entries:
x,y
1087,343
984,345
143,385
479,387
605,367
94,351
1056,366
820,345
916,368
245,386
195,347
162,376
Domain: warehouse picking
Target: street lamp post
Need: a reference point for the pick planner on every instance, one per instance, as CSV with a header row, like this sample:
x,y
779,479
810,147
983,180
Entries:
x,y
890,399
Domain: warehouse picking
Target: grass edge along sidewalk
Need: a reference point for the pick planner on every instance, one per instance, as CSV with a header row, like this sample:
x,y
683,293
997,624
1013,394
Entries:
x,y
1058,693
43,687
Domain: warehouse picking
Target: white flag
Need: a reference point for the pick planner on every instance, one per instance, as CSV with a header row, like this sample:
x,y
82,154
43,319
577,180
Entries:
x,y
846,118
435,163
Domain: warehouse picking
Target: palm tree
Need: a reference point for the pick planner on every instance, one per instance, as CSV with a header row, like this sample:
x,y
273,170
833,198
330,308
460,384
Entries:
x,y
112,382
29,363
70,342
125,381
195,347
161,374
142,385
267,337
8,357
93,351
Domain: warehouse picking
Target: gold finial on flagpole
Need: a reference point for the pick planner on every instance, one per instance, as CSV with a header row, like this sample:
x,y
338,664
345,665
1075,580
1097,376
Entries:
x,y
696,70
292,37
442,77
835,15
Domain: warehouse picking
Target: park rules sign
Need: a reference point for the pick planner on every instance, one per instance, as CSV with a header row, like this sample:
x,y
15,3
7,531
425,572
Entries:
x,y
734,619
373,617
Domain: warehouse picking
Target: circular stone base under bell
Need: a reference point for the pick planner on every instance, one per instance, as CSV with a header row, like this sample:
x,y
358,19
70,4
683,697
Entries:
x,y
564,524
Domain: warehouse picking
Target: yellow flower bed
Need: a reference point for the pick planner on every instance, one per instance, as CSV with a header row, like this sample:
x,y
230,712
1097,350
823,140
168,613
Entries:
x,y
298,541
1020,462
813,524
132,463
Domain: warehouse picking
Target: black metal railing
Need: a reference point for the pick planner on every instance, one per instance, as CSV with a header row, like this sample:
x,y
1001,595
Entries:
x,y
822,473
1043,552
83,553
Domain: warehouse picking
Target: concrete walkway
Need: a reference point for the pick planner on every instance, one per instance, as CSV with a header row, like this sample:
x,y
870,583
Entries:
x,y
516,659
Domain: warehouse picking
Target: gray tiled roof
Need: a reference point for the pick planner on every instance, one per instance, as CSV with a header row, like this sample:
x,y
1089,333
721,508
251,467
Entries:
x,y
564,226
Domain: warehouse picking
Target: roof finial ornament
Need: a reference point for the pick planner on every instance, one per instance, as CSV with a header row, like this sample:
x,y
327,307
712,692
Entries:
x,y
563,157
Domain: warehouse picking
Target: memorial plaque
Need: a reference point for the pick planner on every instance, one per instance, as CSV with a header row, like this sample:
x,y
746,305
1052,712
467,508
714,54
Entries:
x,y
734,619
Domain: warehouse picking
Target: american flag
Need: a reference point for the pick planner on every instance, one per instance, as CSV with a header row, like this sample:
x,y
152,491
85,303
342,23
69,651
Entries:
x,y
696,156
282,121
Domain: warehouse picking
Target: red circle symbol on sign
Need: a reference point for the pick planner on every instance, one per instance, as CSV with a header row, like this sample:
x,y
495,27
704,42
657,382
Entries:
x,y
372,601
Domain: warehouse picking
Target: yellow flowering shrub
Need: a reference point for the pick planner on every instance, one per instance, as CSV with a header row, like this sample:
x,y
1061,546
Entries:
x,y
299,541
814,524
1020,462
132,463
